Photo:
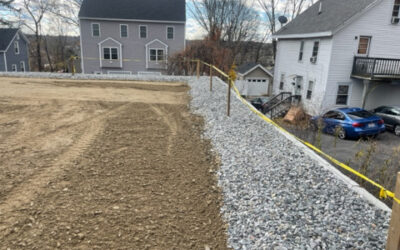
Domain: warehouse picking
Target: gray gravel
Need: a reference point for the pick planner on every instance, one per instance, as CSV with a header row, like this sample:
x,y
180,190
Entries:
x,y
275,195
97,77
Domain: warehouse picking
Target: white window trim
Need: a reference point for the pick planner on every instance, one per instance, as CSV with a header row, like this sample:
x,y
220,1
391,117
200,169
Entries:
x,y
22,63
127,30
147,32
16,47
157,61
369,45
92,30
14,68
349,94
110,48
173,33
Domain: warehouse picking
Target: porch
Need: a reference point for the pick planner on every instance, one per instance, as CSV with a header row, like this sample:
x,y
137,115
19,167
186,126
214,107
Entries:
x,y
372,68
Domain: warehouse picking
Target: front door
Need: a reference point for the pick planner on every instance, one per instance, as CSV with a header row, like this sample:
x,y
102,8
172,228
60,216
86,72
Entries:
x,y
298,86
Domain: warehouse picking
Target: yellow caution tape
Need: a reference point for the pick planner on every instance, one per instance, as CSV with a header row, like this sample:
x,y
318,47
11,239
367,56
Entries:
x,y
383,194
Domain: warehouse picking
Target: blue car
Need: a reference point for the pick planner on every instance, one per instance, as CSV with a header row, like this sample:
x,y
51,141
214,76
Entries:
x,y
349,123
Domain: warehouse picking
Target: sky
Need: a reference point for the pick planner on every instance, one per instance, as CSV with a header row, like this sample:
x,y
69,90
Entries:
x,y
193,29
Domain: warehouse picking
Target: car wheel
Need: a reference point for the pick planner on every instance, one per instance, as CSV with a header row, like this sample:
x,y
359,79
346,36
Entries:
x,y
341,133
397,130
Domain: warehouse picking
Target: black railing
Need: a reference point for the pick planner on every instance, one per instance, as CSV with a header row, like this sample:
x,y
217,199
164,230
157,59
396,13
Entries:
x,y
376,68
280,104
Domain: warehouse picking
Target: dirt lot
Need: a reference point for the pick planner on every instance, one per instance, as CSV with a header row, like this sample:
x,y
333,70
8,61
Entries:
x,y
104,165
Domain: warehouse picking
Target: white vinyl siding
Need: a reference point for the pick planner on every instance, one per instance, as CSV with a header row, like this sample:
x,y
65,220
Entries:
x,y
95,29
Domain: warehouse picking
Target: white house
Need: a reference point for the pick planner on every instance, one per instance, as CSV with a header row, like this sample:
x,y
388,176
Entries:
x,y
341,53
254,80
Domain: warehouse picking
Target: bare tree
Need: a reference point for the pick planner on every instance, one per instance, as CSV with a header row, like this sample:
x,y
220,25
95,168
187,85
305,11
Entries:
x,y
32,15
6,5
274,8
228,21
68,11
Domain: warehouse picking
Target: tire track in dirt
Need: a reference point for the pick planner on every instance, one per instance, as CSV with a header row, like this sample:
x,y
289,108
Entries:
x,y
29,190
172,125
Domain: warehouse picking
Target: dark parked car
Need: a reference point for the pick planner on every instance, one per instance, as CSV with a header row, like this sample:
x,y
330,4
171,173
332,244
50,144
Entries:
x,y
391,116
349,123
259,102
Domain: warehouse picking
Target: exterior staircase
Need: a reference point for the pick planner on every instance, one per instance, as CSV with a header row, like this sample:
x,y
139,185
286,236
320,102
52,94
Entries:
x,y
280,104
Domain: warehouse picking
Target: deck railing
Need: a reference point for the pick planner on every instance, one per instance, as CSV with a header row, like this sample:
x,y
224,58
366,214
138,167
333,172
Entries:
x,y
376,68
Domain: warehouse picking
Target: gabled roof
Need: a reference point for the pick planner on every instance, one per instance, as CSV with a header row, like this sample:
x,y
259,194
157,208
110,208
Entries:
x,y
247,68
6,37
149,10
334,15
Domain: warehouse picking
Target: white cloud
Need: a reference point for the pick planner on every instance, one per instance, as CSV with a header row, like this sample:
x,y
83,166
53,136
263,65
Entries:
x,y
194,30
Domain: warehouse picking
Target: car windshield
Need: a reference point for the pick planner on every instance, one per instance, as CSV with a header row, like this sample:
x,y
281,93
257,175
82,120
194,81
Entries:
x,y
358,115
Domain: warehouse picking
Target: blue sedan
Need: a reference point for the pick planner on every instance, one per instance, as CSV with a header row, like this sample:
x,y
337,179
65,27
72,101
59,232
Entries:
x,y
349,123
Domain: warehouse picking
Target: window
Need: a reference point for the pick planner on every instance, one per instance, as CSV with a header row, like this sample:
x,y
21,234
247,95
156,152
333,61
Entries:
x,y
22,66
110,53
95,29
156,55
124,30
143,31
14,68
16,47
282,82
363,45
301,51
396,9
170,32
315,52
310,89
342,95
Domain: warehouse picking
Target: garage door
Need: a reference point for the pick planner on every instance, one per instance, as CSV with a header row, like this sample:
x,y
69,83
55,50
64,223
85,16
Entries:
x,y
257,86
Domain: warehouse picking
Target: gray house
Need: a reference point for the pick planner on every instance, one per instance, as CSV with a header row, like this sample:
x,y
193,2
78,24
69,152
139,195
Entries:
x,y
130,36
14,54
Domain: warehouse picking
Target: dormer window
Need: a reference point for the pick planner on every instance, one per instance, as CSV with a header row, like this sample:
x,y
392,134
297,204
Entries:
x,y
396,12
16,47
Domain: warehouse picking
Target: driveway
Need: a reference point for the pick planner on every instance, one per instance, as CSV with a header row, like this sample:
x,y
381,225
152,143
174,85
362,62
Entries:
x,y
378,158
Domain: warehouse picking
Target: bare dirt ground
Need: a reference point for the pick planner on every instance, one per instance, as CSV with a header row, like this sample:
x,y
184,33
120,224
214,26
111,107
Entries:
x,y
104,165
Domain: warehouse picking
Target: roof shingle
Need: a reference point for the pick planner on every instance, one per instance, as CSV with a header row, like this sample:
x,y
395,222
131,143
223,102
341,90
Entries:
x,y
152,10
6,36
334,14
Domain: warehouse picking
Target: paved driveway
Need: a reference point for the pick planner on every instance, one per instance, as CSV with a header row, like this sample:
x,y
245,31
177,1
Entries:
x,y
379,158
